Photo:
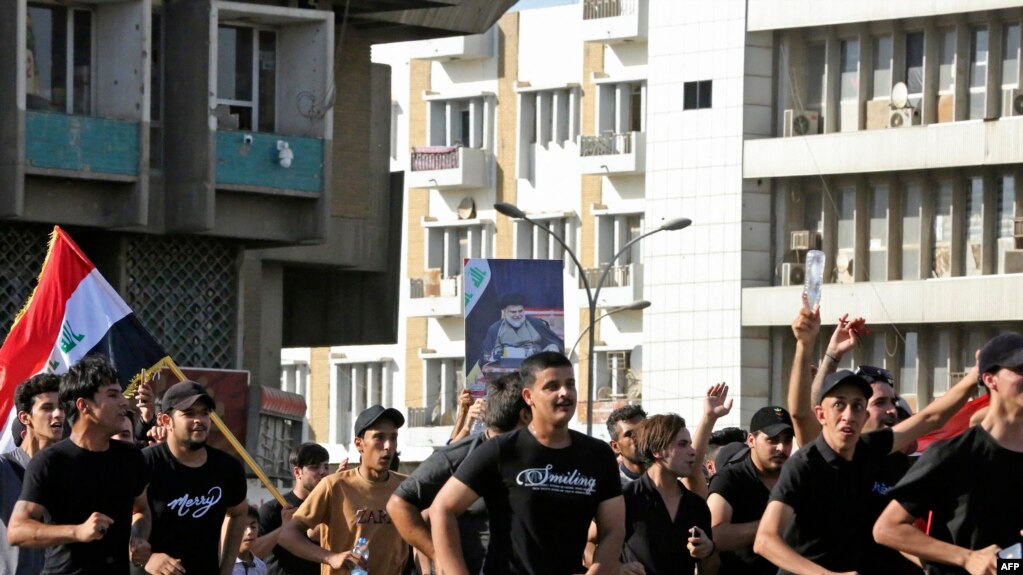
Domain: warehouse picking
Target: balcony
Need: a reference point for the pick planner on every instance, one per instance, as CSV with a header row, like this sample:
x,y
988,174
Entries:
x,y
471,47
443,167
948,145
434,296
252,162
81,146
614,21
611,154
624,285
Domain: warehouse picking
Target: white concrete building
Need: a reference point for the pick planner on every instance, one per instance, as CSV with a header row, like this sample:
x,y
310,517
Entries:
x,y
772,124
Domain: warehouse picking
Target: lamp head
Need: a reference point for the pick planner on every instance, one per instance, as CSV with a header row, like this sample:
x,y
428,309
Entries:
x,y
509,210
676,224
637,305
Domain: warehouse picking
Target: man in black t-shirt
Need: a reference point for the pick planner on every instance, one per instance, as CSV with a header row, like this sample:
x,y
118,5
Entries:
x,y
620,426
198,493
543,485
820,512
309,466
971,483
739,492
87,488
505,411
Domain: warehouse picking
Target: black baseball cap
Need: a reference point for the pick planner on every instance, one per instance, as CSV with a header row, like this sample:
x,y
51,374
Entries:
x,y
183,395
771,421
838,378
1004,350
730,453
370,416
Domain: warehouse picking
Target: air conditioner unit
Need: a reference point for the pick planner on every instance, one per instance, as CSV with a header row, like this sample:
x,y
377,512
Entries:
x,y
903,117
804,240
800,123
1012,103
793,274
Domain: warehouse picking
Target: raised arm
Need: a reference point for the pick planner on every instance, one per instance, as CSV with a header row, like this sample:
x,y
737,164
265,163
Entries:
x,y
936,414
715,406
805,328
610,522
454,498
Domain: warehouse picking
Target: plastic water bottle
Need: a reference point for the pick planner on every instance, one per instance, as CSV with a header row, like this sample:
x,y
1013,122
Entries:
x,y
814,277
361,550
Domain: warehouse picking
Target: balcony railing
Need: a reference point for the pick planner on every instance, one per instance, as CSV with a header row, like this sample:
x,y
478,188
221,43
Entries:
x,y
606,145
434,158
434,287
619,276
593,9
419,417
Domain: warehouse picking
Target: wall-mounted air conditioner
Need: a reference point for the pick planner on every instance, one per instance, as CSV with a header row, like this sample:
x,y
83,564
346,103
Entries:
x,y
903,117
805,240
793,274
1012,102
800,123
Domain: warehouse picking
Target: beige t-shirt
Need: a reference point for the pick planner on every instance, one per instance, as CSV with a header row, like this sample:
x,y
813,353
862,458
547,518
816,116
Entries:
x,y
350,506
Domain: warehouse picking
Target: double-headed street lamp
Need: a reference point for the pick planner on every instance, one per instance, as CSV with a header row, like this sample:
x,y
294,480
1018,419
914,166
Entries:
x,y
513,211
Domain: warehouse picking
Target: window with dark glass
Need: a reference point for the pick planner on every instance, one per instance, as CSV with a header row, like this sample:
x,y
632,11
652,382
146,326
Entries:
x,y
59,68
246,78
697,95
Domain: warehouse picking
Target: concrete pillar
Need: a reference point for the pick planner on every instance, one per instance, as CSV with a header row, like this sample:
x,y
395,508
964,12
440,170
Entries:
x,y
623,92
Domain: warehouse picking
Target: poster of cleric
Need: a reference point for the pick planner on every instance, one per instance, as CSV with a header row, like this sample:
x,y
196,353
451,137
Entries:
x,y
513,309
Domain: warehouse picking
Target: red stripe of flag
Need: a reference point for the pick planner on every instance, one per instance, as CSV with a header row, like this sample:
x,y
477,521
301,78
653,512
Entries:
x,y
957,424
32,337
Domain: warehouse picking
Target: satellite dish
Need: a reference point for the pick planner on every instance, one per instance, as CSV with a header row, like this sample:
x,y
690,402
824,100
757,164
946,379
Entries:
x,y
900,95
466,209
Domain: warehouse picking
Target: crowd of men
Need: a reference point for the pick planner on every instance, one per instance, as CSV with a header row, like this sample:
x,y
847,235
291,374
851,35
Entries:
x,y
529,495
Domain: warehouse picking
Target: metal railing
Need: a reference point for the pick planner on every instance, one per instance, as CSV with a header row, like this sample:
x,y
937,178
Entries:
x,y
434,158
443,287
593,9
619,276
606,145
419,417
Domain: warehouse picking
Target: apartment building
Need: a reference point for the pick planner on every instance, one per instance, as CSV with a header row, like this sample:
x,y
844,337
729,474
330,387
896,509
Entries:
x,y
223,163
886,136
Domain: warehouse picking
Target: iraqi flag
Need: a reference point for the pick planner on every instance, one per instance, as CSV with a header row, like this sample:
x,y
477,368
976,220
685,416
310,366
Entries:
x,y
72,312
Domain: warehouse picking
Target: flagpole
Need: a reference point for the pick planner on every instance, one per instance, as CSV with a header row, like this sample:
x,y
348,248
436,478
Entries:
x,y
217,421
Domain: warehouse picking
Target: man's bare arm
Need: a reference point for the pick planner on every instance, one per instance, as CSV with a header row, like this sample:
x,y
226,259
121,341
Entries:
x,y
805,328
411,525
26,528
610,522
895,529
231,533
715,407
454,498
772,546
729,536
936,414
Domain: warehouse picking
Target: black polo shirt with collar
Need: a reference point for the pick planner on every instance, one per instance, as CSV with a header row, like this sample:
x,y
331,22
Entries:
x,y
740,485
831,499
651,537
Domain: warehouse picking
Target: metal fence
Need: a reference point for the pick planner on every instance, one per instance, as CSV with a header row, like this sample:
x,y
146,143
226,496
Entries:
x,y
606,145
419,417
593,9
426,159
619,276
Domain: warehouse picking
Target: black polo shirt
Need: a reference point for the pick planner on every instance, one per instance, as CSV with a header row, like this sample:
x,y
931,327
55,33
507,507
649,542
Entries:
x,y
831,498
740,485
651,537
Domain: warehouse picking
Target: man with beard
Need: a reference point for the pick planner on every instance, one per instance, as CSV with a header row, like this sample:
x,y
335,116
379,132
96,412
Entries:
x,y
352,504
79,495
543,485
37,400
739,492
620,427
198,492
309,466
517,335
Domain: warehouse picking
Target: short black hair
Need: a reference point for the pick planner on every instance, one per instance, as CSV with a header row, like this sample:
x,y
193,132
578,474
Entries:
x,y
84,379
622,414
26,392
308,454
253,513
728,435
504,402
538,362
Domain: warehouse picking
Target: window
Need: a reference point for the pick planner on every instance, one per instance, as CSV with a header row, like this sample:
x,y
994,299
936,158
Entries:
x,y
295,378
946,61
457,122
621,107
613,232
915,66
850,69
615,378
246,78
978,72
697,95
879,233
940,349
59,51
443,379
447,246
532,242
1006,216
359,385
912,204
882,67
974,226
941,266
816,78
907,379
844,259
1010,55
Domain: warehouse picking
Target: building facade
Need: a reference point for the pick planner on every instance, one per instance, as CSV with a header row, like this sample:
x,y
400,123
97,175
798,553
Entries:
x,y
885,136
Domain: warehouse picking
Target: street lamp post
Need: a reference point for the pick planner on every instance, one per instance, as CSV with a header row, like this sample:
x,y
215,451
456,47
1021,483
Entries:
x,y
513,211
634,306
